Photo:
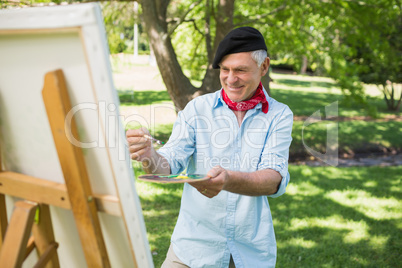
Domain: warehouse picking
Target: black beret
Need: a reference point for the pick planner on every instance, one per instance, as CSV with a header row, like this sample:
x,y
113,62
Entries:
x,y
243,39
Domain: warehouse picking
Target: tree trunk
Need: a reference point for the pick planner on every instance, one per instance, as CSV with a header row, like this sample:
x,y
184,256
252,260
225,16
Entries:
x,y
303,68
393,104
224,24
265,80
177,84
179,87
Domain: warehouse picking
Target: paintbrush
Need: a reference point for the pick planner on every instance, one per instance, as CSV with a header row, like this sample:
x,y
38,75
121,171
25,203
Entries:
x,y
153,139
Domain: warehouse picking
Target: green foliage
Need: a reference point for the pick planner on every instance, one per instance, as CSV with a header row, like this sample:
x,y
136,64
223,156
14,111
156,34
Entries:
x,y
189,38
119,18
373,54
351,41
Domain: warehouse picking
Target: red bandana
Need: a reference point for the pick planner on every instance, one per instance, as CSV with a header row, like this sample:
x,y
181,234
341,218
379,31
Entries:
x,y
258,97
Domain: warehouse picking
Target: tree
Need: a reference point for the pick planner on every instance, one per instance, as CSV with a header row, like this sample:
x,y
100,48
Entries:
x,y
204,23
349,40
379,54
160,29
324,33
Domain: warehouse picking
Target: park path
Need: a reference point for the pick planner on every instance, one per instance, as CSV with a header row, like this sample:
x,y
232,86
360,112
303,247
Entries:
x,y
145,76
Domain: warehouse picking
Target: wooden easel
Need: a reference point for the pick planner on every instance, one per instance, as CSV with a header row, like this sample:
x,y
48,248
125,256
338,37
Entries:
x,y
39,194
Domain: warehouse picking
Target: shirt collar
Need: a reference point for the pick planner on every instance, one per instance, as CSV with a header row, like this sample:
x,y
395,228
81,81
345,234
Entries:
x,y
218,99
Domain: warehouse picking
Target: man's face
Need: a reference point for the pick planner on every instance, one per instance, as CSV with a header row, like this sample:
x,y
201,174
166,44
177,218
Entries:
x,y
240,75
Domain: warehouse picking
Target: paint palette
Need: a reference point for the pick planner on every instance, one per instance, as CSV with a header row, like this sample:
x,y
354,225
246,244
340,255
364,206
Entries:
x,y
173,178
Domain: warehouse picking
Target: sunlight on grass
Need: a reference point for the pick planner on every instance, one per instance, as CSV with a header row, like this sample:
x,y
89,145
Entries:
x,y
354,231
300,242
304,188
313,84
371,206
339,217
317,84
369,184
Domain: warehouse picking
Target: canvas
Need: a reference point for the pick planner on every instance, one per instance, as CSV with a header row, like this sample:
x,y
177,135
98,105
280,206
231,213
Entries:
x,y
34,41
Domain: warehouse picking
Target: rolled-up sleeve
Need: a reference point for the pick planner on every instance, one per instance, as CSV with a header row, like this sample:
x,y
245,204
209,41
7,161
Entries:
x,y
275,154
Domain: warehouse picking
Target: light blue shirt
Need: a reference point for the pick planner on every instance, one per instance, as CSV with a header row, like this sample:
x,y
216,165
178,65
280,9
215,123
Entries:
x,y
207,134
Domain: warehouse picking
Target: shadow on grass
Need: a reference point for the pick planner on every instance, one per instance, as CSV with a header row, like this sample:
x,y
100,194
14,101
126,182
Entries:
x,y
142,97
334,222
354,137
306,103
298,83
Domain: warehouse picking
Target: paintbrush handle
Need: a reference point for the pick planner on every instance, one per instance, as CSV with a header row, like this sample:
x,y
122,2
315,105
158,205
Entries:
x,y
153,139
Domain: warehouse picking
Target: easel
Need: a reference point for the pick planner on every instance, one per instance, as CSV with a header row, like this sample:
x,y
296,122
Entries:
x,y
39,194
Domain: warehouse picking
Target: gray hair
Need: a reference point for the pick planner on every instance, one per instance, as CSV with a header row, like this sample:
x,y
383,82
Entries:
x,y
259,56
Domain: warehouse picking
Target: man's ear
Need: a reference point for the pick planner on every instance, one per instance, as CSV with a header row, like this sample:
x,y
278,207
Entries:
x,y
265,66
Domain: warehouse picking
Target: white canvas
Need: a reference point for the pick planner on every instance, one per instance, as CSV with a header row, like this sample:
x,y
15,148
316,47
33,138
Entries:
x,y
34,41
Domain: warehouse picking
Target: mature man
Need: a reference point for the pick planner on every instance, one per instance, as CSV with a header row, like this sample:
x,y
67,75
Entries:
x,y
239,137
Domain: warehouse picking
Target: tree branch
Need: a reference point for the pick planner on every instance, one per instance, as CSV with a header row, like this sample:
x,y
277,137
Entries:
x,y
195,26
384,91
260,16
399,102
196,48
208,39
183,17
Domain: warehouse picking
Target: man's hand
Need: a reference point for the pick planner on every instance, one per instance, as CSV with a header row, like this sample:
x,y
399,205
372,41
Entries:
x,y
141,148
261,182
212,187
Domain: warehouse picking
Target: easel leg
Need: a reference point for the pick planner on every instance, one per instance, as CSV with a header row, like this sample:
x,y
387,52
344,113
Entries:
x,y
3,218
72,161
44,237
3,212
12,253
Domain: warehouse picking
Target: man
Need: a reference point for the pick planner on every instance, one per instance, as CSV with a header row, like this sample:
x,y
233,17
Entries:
x,y
239,137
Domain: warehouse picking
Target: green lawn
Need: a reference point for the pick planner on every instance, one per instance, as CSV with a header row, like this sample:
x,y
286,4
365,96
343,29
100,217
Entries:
x,y
129,97
329,217
353,136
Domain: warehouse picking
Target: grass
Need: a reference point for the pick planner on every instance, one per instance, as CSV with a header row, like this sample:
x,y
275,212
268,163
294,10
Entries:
x,y
339,217
329,217
306,95
354,137
129,97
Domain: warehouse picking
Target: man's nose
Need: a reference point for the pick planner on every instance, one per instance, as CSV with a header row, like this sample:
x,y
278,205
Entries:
x,y
232,77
